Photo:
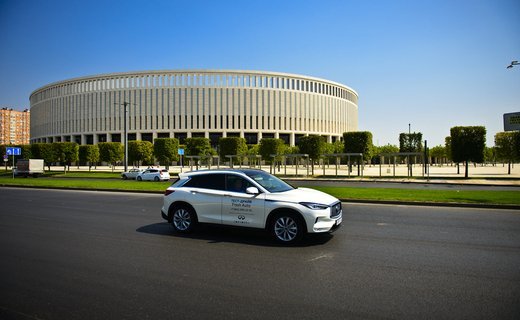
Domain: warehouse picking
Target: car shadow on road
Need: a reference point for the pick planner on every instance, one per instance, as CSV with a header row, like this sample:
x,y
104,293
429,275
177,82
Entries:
x,y
223,234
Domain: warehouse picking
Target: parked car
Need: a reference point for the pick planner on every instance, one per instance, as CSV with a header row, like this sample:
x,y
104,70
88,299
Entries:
x,y
249,198
131,174
154,175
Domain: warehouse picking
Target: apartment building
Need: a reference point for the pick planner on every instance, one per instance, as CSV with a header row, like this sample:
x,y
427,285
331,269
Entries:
x,y
14,126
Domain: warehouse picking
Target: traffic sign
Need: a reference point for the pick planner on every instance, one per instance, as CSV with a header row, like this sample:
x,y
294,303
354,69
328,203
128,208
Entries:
x,y
180,152
13,151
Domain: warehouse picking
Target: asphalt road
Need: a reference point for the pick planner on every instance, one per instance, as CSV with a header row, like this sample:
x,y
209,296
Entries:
x,y
95,255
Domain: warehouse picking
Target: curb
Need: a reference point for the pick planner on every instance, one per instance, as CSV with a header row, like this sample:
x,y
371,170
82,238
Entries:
x,y
436,204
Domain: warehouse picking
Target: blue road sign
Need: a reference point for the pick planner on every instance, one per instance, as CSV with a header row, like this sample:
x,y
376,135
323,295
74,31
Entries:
x,y
180,152
13,151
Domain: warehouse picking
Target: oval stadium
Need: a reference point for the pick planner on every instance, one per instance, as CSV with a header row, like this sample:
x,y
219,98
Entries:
x,y
192,103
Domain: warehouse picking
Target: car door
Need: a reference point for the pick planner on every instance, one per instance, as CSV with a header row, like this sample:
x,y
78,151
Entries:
x,y
144,174
240,208
205,193
150,174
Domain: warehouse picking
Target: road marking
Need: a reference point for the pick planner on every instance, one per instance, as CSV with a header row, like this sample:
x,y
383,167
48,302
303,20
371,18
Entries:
x,y
321,257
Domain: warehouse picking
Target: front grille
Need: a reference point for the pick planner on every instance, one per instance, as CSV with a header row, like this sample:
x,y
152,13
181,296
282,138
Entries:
x,y
335,210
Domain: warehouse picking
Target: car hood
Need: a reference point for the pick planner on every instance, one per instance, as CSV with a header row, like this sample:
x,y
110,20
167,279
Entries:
x,y
302,195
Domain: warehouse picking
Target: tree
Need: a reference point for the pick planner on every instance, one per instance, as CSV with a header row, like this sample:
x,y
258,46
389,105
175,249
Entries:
x,y
389,148
490,155
338,147
269,146
26,151
516,143
253,150
447,146
410,142
165,150
438,153
467,144
111,152
65,152
140,152
505,148
386,149
232,146
287,149
314,146
198,147
44,151
358,142
89,154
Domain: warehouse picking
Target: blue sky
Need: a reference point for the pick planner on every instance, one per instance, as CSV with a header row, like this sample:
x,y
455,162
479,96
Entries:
x,y
433,64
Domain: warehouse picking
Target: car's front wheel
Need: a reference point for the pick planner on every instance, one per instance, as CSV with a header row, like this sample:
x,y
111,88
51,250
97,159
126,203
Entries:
x,y
287,228
139,179
183,219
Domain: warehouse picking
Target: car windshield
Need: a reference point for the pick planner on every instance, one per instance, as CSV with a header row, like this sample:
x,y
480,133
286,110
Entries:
x,y
269,182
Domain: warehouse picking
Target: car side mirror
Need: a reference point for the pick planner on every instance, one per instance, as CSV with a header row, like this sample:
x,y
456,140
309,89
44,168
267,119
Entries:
x,y
252,190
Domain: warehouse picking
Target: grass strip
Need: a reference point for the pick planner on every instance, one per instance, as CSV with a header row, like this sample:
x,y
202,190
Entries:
x,y
412,195
380,194
92,183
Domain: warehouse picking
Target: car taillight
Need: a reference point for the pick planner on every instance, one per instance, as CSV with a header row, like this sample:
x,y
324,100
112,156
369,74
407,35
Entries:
x,y
168,192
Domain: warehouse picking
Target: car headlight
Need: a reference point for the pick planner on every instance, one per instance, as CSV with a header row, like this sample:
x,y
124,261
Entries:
x,y
314,206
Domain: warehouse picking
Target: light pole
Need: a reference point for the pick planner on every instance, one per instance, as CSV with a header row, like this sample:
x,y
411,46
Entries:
x,y
513,63
409,128
125,104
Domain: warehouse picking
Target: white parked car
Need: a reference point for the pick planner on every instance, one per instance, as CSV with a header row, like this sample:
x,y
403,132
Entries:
x,y
154,175
249,198
131,174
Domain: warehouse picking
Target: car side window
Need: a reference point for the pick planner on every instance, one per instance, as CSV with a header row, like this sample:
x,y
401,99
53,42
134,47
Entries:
x,y
207,181
237,184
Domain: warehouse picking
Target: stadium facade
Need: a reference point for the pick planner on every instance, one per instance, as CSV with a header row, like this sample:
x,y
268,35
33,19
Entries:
x,y
192,103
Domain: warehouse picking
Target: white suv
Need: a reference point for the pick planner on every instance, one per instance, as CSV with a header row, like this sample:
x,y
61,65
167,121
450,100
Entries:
x,y
249,198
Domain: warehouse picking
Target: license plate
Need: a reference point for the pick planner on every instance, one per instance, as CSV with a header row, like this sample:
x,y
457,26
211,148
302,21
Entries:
x,y
338,222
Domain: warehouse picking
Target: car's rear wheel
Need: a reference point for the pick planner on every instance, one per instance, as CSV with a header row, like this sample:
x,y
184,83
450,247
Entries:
x,y
183,219
156,179
287,228
139,179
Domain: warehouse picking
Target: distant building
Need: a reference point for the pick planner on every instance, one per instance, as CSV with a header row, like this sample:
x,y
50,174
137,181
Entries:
x,y
192,103
14,126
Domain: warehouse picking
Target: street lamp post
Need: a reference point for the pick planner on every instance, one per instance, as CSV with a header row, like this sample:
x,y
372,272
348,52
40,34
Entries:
x,y
513,63
125,104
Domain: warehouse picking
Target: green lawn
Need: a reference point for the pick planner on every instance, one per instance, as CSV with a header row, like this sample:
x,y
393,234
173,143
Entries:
x,y
112,181
91,183
387,194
